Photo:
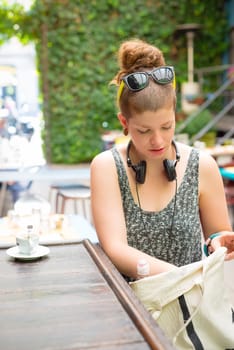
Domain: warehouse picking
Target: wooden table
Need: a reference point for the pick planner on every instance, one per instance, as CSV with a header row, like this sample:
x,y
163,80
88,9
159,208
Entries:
x,y
72,299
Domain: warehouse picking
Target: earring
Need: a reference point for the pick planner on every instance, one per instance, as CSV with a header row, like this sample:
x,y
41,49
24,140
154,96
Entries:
x,y
125,131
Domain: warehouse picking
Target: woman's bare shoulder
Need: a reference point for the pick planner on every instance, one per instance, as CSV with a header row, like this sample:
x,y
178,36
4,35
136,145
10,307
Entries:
x,y
102,164
101,157
207,162
205,159
105,158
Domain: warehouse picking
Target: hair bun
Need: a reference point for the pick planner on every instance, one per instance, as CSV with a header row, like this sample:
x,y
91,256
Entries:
x,y
136,54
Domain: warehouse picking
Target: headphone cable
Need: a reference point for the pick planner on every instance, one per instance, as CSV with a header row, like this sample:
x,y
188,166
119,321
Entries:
x,y
174,208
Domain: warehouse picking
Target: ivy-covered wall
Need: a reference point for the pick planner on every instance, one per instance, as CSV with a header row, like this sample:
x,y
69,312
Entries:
x,y
77,41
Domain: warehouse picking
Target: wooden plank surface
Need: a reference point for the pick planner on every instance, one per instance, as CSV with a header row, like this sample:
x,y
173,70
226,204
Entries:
x,y
62,302
153,335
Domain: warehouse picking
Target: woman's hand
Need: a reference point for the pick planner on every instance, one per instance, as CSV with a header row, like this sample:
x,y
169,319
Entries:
x,y
223,239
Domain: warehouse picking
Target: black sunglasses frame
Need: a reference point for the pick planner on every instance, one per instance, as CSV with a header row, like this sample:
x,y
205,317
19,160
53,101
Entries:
x,y
167,77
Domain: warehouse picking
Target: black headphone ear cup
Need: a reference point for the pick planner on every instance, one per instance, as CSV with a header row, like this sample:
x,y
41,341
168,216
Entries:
x,y
140,170
169,166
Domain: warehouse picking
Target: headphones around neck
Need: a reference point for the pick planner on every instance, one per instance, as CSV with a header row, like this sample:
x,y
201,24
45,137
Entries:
x,y
140,168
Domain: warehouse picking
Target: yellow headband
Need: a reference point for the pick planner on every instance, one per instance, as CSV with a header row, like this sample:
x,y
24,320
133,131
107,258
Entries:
x,y
120,90
174,82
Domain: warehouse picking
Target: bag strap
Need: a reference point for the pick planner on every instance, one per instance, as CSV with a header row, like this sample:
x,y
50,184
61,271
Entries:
x,y
189,328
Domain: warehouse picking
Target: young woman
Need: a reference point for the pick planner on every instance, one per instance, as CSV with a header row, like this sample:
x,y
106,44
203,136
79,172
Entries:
x,y
154,198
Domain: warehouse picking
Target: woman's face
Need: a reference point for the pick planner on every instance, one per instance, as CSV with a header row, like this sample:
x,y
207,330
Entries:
x,y
151,132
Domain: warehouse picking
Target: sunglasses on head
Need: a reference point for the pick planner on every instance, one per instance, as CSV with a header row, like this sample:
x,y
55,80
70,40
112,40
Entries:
x,y
140,80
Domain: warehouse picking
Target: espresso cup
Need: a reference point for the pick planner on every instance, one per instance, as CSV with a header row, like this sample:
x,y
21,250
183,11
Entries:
x,y
27,244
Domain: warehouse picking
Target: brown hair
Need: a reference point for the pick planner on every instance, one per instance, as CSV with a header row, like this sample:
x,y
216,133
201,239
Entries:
x,y
137,55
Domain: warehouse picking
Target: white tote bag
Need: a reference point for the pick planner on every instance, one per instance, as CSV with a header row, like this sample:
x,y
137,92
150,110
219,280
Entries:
x,y
191,304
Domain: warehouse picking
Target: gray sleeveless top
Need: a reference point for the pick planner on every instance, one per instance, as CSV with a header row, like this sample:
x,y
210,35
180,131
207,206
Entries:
x,y
172,234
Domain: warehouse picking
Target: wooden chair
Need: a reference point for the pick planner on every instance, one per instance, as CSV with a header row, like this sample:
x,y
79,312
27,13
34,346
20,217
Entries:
x,y
80,195
56,187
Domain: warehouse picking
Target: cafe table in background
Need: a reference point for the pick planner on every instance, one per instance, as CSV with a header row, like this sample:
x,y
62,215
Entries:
x,y
222,153
58,229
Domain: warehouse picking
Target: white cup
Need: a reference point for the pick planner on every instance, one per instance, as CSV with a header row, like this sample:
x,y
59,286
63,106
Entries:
x,y
27,243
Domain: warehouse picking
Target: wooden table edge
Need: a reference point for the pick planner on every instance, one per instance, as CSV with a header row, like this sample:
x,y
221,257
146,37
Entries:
x,y
142,319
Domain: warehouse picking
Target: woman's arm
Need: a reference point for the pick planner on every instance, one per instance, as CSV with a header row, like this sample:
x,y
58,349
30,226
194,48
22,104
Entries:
x,y
109,221
212,200
213,207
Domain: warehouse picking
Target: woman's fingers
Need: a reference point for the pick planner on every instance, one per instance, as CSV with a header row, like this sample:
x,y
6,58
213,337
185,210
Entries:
x,y
229,256
225,240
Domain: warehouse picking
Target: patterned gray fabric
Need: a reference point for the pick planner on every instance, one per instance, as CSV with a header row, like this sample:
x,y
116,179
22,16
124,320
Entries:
x,y
151,232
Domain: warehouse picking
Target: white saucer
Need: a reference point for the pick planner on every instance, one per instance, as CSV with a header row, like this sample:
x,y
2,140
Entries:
x,y
41,251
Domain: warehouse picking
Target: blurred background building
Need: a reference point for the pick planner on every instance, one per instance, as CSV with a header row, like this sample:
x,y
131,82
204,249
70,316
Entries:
x,y
18,77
